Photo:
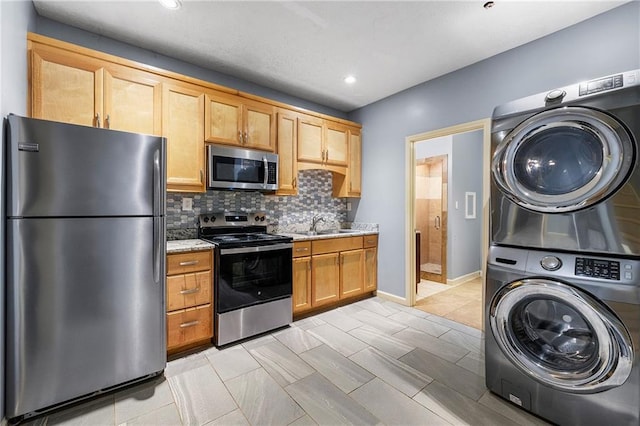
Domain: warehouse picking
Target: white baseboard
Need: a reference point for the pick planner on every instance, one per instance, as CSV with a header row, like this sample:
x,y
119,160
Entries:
x,y
392,298
464,278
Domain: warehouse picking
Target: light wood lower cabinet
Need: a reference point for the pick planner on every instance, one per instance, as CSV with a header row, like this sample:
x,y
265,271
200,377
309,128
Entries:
x,y
325,279
326,271
189,299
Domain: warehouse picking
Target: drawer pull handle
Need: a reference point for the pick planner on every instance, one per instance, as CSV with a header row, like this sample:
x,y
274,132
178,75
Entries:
x,y
189,263
371,241
189,324
190,291
302,249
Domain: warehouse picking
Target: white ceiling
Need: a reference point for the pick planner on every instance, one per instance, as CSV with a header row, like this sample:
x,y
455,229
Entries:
x,y
306,48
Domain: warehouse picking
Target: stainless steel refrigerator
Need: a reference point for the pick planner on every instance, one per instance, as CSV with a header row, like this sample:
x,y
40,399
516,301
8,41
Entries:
x,y
85,261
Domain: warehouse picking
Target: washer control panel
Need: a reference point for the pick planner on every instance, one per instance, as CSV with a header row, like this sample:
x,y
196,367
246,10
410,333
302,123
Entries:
x,y
597,268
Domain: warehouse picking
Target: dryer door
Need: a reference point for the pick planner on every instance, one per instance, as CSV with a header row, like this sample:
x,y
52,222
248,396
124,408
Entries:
x,y
563,159
561,336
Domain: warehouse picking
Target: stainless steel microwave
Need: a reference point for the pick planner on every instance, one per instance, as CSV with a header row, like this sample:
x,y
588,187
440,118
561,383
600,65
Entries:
x,y
239,168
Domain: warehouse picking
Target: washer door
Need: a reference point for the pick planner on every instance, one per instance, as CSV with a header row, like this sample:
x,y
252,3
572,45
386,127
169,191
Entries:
x,y
563,159
561,336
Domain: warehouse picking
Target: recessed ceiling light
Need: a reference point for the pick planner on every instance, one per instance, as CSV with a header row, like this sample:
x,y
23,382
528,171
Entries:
x,y
488,5
350,79
171,4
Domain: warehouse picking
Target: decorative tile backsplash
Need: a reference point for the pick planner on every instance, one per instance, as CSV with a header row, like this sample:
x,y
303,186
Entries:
x,y
285,213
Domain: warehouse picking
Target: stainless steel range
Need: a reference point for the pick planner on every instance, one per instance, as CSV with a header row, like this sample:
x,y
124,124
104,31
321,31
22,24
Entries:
x,y
252,275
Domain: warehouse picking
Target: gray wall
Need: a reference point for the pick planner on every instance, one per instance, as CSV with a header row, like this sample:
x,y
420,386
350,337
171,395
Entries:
x,y
16,18
603,45
74,35
464,236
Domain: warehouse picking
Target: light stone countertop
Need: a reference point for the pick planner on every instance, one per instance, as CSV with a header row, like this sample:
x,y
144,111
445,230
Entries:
x,y
179,246
352,233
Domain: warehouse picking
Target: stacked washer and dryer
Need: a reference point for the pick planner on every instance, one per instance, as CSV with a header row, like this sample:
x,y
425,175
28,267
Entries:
x,y
563,274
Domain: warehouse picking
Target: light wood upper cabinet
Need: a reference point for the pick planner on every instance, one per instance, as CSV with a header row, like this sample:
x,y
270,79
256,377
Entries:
x,y
336,144
233,120
287,141
132,101
66,87
310,139
355,163
183,126
75,89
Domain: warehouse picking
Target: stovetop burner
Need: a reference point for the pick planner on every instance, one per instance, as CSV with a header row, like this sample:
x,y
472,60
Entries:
x,y
237,229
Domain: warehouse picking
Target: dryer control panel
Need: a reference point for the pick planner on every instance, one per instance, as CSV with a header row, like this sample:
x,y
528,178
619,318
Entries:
x,y
597,268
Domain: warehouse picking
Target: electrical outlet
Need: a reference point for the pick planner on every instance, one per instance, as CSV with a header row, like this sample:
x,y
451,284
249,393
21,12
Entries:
x,y
187,204
348,206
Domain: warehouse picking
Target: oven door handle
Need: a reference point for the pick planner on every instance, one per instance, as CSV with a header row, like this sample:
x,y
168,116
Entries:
x,y
256,249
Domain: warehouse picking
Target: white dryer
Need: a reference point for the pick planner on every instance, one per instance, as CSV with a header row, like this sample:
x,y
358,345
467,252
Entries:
x,y
565,172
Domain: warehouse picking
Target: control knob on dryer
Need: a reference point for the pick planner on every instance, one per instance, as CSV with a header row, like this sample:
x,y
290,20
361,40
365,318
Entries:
x,y
550,263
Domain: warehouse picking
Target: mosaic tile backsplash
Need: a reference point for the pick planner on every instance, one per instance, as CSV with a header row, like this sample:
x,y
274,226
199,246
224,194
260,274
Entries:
x,y
285,213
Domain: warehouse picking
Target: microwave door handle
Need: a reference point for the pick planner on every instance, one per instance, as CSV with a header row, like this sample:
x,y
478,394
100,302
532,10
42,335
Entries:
x,y
266,170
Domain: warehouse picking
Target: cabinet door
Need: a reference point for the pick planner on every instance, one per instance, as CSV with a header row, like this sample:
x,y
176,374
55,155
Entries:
x,y
183,126
310,136
223,119
132,101
336,144
259,126
287,163
355,163
325,278
351,273
66,87
301,284
370,269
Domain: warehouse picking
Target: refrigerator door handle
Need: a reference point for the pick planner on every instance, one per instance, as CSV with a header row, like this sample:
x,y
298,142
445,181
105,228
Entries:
x,y
157,248
157,184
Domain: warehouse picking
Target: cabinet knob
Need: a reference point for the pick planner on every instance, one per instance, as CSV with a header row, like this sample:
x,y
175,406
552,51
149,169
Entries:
x,y
239,136
107,122
98,120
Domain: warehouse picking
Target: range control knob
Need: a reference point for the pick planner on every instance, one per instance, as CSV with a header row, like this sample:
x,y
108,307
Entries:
x,y
213,219
551,263
555,95
257,218
261,218
205,219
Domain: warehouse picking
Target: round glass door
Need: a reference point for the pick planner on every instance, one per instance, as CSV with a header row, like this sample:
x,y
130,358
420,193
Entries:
x,y
563,159
561,336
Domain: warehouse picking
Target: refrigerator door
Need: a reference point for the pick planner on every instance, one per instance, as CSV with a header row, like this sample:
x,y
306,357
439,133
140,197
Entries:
x,y
63,170
85,311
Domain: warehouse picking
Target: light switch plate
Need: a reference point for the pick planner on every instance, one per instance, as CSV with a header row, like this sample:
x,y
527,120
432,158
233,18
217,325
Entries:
x,y
187,204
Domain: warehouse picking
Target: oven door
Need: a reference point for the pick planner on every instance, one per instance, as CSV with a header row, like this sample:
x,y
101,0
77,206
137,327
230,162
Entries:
x,y
252,275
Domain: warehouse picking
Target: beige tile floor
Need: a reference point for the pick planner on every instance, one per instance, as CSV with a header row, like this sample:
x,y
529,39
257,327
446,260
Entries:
x,y
371,362
461,303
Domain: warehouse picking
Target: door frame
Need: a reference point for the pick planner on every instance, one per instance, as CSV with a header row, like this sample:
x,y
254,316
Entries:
x,y
410,165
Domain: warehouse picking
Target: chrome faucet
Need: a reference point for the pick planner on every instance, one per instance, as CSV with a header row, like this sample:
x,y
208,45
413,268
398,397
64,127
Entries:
x,y
314,222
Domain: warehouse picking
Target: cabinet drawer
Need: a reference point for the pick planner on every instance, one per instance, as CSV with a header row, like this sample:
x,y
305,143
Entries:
x,y
186,290
370,241
189,325
181,263
302,248
332,245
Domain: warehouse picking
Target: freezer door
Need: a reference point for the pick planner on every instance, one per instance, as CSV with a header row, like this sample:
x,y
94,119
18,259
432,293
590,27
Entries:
x,y
63,170
84,311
